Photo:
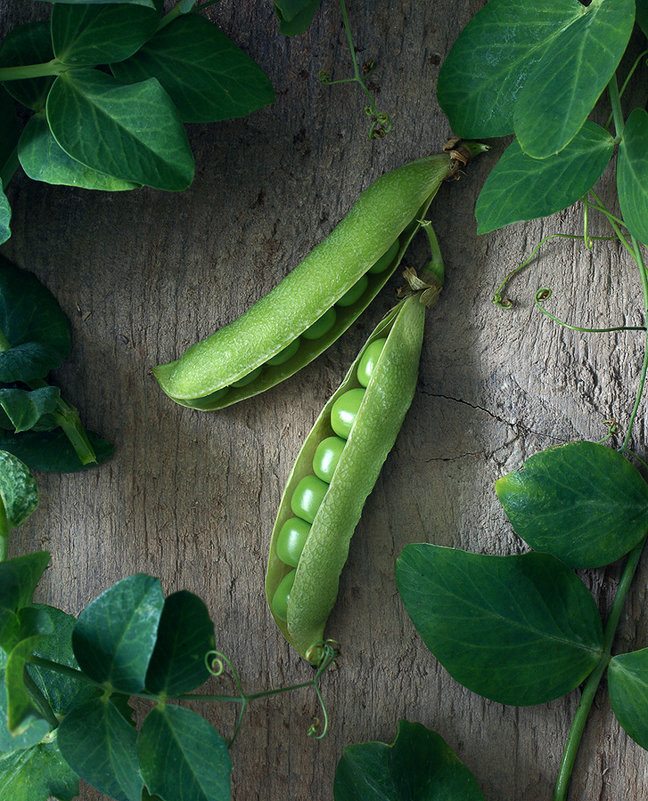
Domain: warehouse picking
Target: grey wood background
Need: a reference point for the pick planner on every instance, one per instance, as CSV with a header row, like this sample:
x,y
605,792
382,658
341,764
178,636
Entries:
x,y
190,497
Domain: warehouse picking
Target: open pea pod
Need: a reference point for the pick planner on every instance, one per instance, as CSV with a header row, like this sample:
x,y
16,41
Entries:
x,y
316,302
318,513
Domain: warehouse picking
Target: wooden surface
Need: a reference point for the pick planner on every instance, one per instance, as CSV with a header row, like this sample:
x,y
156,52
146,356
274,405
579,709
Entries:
x,y
190,497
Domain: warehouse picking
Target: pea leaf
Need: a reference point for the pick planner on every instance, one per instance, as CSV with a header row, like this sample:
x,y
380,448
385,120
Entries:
x,y
115,635
185,635
299,22
642,15
8,742
576,66
632,174
21,409
490,62
522,188
19,577
85,34
418,764
8,127
581,502
516,629
628,686
22,711
52,452
36,331
182,756
18,490
28,44
43,159
5,216
37,773
290,8
9,636
100,745
206,75
132,132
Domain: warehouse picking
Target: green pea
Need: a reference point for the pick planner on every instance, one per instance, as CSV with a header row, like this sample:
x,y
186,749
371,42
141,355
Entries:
x,y
385,260
249,378
355,293
344,411
282,595
285,354
321,326
307,497
368,361
327,457
291,540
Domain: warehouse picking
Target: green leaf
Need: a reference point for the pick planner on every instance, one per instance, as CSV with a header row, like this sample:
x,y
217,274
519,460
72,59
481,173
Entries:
x,y
36,330
290,8
132,132
516,629
18,490
21,409
43,159
5,216
51,451
100,745
491,60
521,188
115,635
22,712
417,765
581,502
206,75
9,127
185,635
642,15
8,742
628,686
148,3
36,774
301,21
182,756
576,66
19,578
9,633
28,44
97,34
632,174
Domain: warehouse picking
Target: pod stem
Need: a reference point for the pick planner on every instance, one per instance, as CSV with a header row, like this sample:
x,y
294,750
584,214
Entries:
x,y
430,282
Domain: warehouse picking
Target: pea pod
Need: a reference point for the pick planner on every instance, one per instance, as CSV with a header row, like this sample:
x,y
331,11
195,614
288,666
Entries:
x,y
315,303
300,600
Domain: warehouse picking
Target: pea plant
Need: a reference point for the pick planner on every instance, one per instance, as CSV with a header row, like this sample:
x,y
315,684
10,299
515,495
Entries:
x,y
110,86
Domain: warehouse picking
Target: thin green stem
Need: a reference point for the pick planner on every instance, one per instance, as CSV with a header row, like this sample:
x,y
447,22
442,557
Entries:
x,y
544,294
4,342
615,222
53,67
40,701
5,531
617,112
624,85
9,168
591,686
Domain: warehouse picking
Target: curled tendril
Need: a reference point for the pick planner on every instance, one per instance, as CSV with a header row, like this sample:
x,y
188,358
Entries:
x,y
214,662
368,67
331,649
614,429
324,77
544,293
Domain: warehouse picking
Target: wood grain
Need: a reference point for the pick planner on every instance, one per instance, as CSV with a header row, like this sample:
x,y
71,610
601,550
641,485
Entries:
x,y
191,497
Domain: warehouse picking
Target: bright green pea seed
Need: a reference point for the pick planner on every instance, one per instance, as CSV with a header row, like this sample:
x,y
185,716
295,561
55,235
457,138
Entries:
x,y
291,540
327,457
385,260
307,497
249,378
282,595
344,411
209,399
285,354
368,361
355,293
321,326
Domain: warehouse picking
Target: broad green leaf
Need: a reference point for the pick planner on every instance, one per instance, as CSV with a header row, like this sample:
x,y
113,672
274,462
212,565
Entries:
x,y
9,743
185,635
51,451
490,62
28,44
133,132
21,409
22,711
628,686
18,490
182,756
520,630
8,127
62,692
576,66
581,502
9,633
148,3
86,35
290,8
632,174
99,745
206,75
5,216
36,331
115,635
301,21
417,765
521,188
43,159
642,15
19,578
37,773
